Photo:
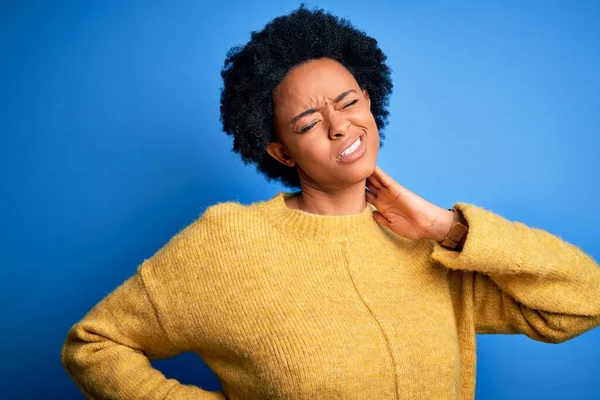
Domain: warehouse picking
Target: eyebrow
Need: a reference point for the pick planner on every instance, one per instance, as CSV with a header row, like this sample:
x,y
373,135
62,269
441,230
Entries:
x,y
313,110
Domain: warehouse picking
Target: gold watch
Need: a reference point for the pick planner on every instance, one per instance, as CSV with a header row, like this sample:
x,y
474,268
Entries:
x,y
457,232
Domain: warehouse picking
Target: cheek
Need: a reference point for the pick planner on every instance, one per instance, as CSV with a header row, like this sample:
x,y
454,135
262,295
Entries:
x,y
317,152
311,148
365,119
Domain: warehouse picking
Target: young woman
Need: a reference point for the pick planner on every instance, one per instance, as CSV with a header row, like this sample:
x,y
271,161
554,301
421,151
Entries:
x,y
351,287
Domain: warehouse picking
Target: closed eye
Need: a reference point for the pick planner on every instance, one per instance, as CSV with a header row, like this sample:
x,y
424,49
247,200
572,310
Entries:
x,y
351,103
307,127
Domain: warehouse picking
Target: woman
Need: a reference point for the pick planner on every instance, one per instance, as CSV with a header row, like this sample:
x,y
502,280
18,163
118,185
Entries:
x,y
352,287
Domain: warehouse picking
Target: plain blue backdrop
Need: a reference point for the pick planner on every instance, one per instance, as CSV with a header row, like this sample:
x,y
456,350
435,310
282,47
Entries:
x,y
111,143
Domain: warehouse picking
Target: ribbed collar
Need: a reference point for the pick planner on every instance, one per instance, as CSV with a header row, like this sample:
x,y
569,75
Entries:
x,y
322,228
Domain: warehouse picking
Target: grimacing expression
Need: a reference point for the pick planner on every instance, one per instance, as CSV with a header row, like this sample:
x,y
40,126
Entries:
x,y
318,106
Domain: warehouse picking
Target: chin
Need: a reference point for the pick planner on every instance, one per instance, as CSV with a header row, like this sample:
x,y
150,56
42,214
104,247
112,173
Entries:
x,y
362,172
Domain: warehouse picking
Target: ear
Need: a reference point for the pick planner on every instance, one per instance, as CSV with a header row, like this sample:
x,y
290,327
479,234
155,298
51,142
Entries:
x,y
366,94
279,152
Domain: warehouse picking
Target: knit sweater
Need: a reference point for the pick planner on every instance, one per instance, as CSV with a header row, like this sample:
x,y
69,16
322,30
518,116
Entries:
x,y
285,304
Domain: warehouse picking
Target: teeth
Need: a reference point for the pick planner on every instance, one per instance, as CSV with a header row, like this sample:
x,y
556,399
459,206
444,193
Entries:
x,y
351,149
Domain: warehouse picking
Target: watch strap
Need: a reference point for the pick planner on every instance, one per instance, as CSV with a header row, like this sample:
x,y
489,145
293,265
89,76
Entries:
x,y
457,232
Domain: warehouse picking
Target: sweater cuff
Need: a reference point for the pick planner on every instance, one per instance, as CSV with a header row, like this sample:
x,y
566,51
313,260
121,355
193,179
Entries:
x,y
492,243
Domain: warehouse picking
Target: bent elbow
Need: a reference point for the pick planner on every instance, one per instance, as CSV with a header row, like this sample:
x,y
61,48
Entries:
x,y
559,328
77,353
72,346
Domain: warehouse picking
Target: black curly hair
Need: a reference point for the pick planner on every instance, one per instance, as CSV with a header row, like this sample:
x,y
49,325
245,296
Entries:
x,y
252,72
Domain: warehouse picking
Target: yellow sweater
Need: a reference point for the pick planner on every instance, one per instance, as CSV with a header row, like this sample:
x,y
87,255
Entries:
x,y
285,304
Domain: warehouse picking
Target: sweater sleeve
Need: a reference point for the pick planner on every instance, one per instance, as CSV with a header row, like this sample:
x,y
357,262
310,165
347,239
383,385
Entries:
x,y
519,279
108,352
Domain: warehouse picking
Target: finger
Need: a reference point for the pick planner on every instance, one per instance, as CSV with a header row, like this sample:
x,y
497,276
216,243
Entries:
x,y
382,177
372,187
374,180
380,219
389,183
370,197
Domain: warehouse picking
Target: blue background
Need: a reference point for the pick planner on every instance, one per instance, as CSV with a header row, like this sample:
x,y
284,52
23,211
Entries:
x,y
111,143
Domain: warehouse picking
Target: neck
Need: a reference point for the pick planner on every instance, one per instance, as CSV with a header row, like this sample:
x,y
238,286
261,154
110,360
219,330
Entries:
x,y
347,201
323,228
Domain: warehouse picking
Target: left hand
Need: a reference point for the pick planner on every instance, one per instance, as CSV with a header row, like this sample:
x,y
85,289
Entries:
x,y
404,212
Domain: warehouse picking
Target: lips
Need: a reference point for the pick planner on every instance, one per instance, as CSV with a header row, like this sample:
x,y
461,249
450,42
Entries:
x,y
349,143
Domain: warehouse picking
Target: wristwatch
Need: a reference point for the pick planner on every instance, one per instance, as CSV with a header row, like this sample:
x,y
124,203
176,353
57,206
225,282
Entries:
x,y
457,234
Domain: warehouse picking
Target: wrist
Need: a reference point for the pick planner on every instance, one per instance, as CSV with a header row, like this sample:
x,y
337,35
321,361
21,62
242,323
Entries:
x,y
457,235
441,225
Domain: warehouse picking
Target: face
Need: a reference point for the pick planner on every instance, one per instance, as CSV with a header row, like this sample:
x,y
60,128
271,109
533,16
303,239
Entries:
x,y
319,112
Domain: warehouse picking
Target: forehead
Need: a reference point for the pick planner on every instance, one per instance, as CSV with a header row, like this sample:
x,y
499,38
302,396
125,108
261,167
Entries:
x,y
313,81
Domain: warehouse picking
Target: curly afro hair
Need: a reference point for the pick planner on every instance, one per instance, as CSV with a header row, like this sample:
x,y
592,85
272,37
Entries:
x,y
252,72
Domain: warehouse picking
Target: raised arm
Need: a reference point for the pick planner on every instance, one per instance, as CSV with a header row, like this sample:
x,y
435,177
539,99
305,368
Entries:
x,y
520,279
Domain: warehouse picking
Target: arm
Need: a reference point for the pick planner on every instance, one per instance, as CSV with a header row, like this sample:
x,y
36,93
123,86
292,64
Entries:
x,y
108,352
522,279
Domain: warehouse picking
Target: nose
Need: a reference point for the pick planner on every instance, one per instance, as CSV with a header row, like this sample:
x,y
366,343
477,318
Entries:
x,y
338,125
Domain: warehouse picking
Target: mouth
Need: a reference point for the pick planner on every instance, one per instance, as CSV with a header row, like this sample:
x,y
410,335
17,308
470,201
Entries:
x,y
354,151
